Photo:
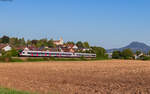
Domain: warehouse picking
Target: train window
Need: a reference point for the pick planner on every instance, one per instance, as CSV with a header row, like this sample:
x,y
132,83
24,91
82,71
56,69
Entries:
x,y
52,54
29,52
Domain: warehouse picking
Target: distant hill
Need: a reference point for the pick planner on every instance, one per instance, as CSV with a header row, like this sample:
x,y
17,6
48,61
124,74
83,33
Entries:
x,y
134,46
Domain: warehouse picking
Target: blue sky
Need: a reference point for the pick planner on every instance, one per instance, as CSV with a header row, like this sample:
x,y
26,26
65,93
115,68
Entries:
x,y
106,23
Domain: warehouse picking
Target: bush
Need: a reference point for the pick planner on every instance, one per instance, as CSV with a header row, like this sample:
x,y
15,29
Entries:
x,y
6,57
14,53
145,58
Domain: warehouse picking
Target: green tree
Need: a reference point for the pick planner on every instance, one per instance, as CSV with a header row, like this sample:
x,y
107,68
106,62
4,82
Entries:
x,y
17,42
13,41
51,43
44,42
14,53
116,55
70,42
29,42
99,51
80,45
11,53
86,45
34,42
5,39
22,42
138,53
127,54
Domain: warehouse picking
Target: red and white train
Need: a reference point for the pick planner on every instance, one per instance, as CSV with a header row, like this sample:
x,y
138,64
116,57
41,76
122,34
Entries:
x,y
29,53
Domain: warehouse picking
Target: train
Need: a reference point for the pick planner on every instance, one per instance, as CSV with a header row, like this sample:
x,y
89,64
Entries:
x,y
30,53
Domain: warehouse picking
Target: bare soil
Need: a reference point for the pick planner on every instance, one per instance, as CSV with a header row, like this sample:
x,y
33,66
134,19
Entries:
x,y
74,77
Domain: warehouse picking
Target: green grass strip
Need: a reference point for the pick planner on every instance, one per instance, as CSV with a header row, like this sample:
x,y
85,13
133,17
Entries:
x,y
12,91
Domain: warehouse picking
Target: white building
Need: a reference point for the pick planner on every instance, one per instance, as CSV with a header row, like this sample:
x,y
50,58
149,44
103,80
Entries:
x,y
75,47
109,55
59,42
138,56
7,48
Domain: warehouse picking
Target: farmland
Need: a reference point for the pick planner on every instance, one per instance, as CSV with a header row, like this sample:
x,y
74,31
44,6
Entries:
x,y
78,77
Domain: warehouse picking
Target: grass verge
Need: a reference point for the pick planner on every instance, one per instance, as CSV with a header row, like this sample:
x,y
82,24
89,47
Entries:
x,y
12,91
37,59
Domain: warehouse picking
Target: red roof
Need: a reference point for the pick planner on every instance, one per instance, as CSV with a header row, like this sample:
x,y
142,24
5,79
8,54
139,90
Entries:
x,y
20,47
3,45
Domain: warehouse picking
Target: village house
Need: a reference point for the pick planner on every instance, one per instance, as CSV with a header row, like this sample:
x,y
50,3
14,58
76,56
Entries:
x,y
71,48
5,47
138,56
60,47
109,55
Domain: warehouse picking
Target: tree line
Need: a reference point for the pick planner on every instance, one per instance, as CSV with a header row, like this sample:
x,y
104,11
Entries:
x,y
125,54
129,54
38,43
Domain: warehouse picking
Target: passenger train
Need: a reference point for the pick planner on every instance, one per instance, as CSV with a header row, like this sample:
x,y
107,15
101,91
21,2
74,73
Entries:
x,y
55,54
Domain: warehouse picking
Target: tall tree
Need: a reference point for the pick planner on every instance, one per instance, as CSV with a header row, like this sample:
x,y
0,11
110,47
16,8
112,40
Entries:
x,y
22,42
34,42
29,42
70,42
99,51
51,43
13,41
80,44
5,39
116,55
127,54
86,45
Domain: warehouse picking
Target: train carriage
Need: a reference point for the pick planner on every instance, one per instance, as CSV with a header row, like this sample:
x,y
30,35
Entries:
x,y
28,53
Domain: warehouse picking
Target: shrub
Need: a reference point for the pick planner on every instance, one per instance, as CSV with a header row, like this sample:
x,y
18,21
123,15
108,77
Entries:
x,y
145,58
14,53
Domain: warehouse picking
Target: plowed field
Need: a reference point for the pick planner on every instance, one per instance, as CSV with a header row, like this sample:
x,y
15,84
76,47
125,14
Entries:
x,y
75,77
